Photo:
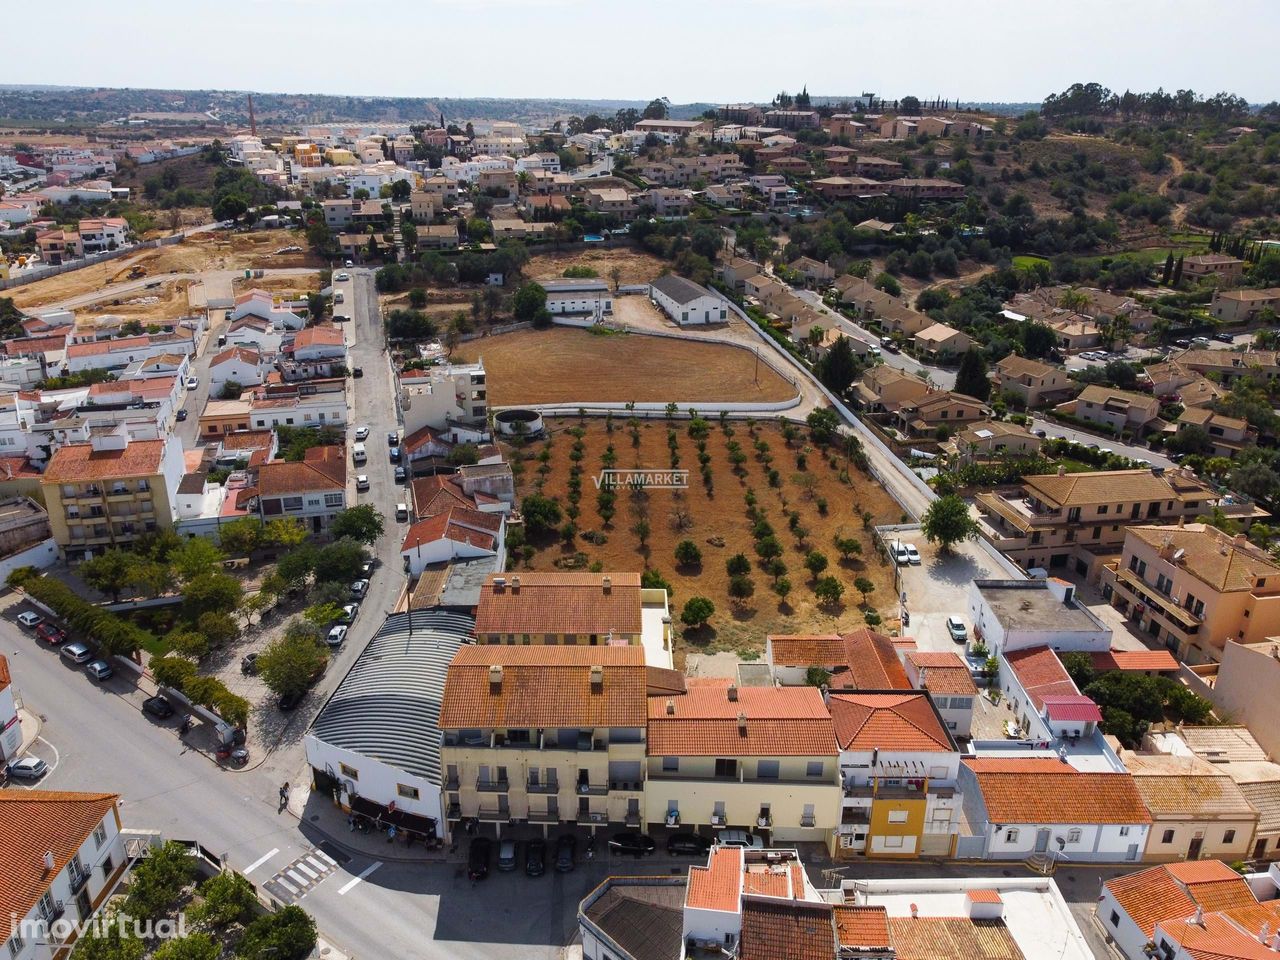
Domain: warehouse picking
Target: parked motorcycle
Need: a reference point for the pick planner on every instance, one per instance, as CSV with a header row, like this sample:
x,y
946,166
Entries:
x,y
233,756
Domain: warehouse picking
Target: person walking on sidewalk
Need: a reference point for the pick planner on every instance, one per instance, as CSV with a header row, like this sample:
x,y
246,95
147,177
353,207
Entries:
x,y
284,797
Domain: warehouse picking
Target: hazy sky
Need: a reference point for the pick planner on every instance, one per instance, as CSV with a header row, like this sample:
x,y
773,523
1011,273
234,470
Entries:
x,y
687,50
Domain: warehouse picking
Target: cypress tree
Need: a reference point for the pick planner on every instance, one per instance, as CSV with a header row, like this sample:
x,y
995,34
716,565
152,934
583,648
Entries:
x,y
1168,269
1177,272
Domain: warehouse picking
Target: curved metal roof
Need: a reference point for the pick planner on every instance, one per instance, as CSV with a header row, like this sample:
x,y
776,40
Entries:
x,y
387,707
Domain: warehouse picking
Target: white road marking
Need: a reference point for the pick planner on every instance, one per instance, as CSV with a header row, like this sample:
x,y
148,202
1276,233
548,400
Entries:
x,y
325,857
286,884
364,873
259,862
302,865
57,758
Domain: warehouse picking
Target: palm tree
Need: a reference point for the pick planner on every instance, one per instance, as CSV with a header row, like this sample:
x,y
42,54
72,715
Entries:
x,y
1073,299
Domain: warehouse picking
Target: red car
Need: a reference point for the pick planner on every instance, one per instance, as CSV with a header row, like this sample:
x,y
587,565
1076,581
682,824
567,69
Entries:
x,y
50,634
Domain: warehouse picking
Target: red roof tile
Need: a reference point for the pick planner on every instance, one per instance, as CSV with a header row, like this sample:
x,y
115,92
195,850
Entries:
x,y
560,603
80,463
761,722
786,930
1077,708
1037,793
1159,661
862,926
717,886
887,721
1040,673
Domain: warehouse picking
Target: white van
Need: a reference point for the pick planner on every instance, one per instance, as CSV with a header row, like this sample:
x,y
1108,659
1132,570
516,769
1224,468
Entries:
x,y
337,296
402,512
358,455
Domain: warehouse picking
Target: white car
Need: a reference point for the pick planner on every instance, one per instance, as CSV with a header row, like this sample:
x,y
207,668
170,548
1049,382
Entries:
x,y
348,615
362,433
28,768
739,838
362,481
900,555
913,555
30,620
359,588
193,383
343,277
336,636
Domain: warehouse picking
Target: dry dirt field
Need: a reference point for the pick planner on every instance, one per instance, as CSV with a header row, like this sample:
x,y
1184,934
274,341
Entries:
x,y
168,302
564,364
636,267
203,251
719,525
295,285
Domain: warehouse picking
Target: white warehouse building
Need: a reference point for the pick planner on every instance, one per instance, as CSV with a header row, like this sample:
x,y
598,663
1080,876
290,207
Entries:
x,y
686,303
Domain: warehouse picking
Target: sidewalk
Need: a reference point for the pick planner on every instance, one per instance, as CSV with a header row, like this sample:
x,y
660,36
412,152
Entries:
x,y
31,725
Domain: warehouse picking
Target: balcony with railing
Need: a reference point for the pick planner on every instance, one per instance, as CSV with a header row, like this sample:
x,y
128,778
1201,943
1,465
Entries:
x,y
492,786
500,814
77,879
808,820
53,911
592,817
543,816
590,789
552,786
632,819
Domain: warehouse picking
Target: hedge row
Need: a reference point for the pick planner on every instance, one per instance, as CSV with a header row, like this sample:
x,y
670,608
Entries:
x,y
112,633
180,674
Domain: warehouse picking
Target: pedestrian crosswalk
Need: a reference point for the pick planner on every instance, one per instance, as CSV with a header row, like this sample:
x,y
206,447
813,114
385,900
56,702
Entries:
x,y
298,879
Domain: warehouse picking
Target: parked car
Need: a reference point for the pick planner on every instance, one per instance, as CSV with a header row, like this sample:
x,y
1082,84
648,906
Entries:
x,y
290,701
30,619
478,858
349,611
336,636
342,277
182,414
357,372
913,555
394,454
739,838
366,568
249,664
535,857
566,853
899,551
362,481
1200,341
78,653
158,707
506,855
1039,433
27,768
955,627
50,634
99,670
1224,338
348,264
633,842
393,438
1182,342
362,433
688,844
401,475
359,589
193,383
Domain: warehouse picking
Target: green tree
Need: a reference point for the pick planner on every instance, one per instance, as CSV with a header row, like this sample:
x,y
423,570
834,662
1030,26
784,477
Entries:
x,y
211,592
288,934
231,390
847,546
815,562
768,548
362,523
641,529
188,643
226,898
194,946
741,587
173,672
688,554
541,514
322,614
837,369
288,664
340,560
817,676
947,522
286,532
971,378
529,301
823,425
110,571
828,590
737,565
195,557
107,941
241,537
218,628
697,611
864,587
159,880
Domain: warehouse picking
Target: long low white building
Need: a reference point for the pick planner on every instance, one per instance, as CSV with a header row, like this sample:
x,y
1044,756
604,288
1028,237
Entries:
x,y
687,303
590,297
376,744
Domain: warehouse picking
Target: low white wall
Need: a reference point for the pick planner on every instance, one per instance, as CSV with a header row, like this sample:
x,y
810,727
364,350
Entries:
x,y
40,555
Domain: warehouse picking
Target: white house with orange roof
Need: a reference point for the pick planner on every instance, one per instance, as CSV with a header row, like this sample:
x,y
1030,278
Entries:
x,y
243,365
323,343
104,233
1192,911
898,767
950,683
260,303
455,533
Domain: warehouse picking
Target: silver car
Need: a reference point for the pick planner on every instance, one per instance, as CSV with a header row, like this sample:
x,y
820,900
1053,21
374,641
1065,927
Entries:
x,y
99,670
28,768
77,653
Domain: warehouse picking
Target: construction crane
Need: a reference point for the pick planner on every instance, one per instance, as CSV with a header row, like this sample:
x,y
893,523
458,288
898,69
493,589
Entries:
x,y
253,123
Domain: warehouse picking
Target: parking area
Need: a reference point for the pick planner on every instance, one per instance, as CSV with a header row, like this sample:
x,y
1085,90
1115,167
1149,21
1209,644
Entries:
x,y
938,587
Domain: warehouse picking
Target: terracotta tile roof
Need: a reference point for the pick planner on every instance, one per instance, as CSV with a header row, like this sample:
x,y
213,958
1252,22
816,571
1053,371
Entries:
x,y
943,672
24,345
786,930
1214,558
888,721
806,649
984,896
1142,660
1201,871
1040,673
1016,366
560,603
80,463
436,494
946,938
325,468
1150,896
97,348
861,926
718,885
861,660
454,524
1049,791
35,822
1116,486
1216,938
1192,795
544,686
1265,798
320,336
775,721
246,439
6,678
1071,707
243,354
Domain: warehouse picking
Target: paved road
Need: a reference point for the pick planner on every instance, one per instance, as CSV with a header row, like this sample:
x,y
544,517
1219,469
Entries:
x,y
941,376
1054,429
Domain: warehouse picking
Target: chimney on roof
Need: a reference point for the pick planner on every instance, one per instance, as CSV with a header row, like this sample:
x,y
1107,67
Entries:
x,y
732,693
515,584
607,584
1240,540
499,583
1262,933
742,724
1198,919
915,911
597,679
1062,470
671,708
495,678
48,860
